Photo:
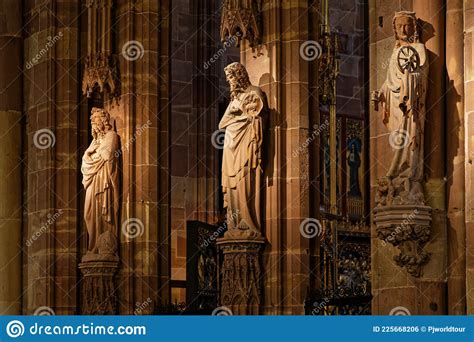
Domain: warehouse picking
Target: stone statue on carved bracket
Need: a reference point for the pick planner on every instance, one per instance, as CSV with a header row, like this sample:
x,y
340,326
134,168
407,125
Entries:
x,y
403,97
242,155
401,217
100,170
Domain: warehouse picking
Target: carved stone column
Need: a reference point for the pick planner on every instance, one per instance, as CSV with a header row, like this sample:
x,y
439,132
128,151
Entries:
x,y
99,287
241,275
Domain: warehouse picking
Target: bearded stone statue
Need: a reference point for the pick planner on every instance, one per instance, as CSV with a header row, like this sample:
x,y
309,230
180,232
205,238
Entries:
x,y
402,97
242,155
100,179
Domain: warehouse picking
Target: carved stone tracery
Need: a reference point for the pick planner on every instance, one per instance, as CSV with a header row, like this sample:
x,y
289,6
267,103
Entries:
x,y
98,288
100,72
242,19
241,289
100,69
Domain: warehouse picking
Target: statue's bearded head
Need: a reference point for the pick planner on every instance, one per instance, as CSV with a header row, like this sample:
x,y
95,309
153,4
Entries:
x,y
100,121
238,79
405,27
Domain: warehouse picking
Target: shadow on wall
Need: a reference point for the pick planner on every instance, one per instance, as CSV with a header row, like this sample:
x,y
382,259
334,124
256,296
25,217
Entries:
x,y
271,122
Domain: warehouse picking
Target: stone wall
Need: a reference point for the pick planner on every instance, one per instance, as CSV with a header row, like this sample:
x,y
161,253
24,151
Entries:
x,y
469,132
198,89
50,101
289,81
11,125
349,19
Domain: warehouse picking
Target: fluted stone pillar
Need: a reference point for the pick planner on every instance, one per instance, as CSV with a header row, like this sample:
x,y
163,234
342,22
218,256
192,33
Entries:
x,y
10,159
455,158
469,147
142,121
431,288
51,96
289,80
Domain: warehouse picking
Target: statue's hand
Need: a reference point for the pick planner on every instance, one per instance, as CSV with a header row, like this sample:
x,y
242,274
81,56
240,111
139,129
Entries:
x,y
376,97
90,151
234,110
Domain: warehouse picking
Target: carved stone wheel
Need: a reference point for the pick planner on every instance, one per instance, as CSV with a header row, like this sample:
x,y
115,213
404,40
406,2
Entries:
x,y
408,59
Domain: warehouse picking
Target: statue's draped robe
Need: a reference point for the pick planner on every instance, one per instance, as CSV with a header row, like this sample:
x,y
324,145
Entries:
x,y
241,164
409,159
100,180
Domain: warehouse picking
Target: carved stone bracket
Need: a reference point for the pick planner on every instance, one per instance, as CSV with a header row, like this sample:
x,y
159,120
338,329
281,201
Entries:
x,y
98,287
407,227
240,288
242,19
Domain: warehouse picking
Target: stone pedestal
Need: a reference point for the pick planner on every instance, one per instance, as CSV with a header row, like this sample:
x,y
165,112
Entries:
x,y
241,277
99,289
407,227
